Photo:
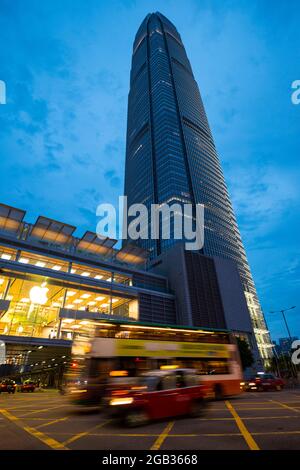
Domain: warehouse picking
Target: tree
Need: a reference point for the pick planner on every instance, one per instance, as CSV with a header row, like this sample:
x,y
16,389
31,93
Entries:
x,y
246,355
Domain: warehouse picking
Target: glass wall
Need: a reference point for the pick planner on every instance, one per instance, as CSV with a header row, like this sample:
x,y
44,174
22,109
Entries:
x,y
56,264
35,302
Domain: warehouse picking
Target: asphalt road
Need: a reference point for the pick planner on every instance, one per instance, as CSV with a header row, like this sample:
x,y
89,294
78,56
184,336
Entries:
x,y
258,421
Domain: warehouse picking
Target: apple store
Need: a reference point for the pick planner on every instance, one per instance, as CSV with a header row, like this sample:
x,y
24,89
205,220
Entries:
x,y
55,285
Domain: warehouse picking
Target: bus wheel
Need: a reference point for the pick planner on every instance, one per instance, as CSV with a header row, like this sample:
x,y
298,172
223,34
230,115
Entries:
x,y
197,407
134,418
218,392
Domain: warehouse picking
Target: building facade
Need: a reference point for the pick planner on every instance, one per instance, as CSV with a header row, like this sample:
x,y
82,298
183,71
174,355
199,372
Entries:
x,y
171,155
208,292
54,286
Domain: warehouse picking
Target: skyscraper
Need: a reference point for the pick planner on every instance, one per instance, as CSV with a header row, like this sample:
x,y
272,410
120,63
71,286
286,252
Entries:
x,y
171,156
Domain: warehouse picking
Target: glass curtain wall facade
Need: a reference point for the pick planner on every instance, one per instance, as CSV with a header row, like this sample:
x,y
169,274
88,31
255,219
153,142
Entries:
x,y
171,156
35,301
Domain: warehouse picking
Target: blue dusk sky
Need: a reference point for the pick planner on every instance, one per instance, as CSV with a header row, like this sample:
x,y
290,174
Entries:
x,y
66,66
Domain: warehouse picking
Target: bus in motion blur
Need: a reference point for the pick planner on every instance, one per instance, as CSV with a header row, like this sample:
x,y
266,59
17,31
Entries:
x,y
114,353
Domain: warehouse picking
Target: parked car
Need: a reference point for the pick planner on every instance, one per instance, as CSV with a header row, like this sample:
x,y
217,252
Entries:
x,y
28,386
264,382
159,394
8,386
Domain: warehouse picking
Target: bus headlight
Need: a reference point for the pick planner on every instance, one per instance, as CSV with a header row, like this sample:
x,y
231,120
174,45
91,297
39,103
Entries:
x,y
121,401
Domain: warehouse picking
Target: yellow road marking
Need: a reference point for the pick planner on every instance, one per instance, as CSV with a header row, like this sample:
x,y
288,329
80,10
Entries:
x,y
85,433
231,434
267,403
159,441
150,435
26,403
286,406
19,406
43,410
262,408
244,431
143,435
248,403
270,417
248,417
239,407
52,422
26,397
252,406
25,409
169,435
271,433
30,398
49,441
215,419
34,419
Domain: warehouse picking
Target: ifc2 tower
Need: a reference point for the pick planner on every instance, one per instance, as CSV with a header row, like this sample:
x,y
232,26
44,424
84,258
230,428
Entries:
x,y
171,156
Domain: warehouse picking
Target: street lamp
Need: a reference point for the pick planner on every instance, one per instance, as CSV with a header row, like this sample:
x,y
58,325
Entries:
x,y
288,330
282,312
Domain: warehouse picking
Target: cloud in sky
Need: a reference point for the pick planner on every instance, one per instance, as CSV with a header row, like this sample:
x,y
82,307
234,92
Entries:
x,y
62,131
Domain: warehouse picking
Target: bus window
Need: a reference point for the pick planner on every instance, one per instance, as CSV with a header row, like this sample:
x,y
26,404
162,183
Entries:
x,y
217,367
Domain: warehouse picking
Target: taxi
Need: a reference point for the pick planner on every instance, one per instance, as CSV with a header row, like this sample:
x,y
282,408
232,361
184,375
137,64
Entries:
x,y
159,394
263,382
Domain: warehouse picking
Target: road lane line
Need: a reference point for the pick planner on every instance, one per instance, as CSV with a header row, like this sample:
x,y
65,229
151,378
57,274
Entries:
x,y
231,434
29,405
268,402
214,419
242,403
267,407
52,422
169,435
43,410
275,433
49,441
286,406
85,433
237,434
34,419
161,438
262,408
248,417
244,431
142,435
270,417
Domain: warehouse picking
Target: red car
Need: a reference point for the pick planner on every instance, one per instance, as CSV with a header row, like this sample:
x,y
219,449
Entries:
x,y
159,394
264,382
8,386
28,386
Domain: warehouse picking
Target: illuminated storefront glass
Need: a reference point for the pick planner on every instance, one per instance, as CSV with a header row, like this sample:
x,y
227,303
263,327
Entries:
x,y
35,303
